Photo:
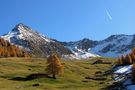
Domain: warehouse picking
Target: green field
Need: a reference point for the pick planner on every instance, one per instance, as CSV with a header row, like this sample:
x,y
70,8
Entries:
x,y
75,72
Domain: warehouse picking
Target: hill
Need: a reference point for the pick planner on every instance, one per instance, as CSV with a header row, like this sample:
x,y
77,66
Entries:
x,y
78,75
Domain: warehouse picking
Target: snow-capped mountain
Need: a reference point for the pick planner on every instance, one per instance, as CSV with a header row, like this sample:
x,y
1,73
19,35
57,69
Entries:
x,y
114,45
34,42
80,48
111,47
40,45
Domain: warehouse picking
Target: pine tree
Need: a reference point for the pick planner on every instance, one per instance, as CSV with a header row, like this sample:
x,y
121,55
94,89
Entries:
x,y
54,66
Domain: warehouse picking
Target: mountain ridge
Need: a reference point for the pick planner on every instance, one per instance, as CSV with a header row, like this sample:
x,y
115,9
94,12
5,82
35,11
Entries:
x,y
40,45
33,41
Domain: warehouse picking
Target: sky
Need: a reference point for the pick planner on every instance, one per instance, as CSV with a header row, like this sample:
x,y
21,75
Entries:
x,y
70,20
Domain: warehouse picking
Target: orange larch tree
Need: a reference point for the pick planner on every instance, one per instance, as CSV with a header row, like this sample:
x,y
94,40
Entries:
x,y
54,66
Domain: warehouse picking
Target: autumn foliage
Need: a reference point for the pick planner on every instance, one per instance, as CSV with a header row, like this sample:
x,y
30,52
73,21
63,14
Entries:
x,y
54,66
127,59
9,50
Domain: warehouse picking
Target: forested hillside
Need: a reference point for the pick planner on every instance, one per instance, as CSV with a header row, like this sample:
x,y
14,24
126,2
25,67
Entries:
x,y
9,50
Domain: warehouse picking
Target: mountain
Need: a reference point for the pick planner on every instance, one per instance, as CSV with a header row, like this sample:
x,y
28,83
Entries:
x,y
114,45
110,47
42,46
80,48
34,42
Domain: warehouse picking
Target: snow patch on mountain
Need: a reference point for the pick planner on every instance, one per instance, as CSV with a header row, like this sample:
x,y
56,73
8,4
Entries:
x,y
124,69
113,46
38,44
79,53
123,74
23,32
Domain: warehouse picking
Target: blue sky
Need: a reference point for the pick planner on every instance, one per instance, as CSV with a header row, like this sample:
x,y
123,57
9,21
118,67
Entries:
x,y
70,20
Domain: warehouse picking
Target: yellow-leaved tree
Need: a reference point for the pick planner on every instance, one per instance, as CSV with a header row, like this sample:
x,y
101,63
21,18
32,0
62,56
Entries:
x,y
54,66
119,61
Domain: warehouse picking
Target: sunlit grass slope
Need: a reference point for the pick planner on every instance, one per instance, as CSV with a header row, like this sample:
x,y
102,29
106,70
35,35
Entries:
x,y
75,72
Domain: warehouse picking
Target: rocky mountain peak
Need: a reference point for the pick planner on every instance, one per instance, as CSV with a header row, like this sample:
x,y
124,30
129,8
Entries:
x,y
40,45
34,42
85,40
20,28
117,37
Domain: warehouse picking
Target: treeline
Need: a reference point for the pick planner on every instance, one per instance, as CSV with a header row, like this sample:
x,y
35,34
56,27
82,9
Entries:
x,y
9,50
127,59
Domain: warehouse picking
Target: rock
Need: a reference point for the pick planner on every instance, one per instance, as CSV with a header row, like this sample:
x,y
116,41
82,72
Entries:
x,y
18,87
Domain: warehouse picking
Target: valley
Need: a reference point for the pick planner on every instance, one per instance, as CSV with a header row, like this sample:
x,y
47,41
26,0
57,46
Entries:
x,y
67,45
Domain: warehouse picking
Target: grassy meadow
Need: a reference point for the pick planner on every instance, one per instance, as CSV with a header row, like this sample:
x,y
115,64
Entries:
x,y
74,77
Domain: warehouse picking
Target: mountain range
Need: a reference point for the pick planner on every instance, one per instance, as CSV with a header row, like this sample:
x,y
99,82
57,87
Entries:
x,y
39,45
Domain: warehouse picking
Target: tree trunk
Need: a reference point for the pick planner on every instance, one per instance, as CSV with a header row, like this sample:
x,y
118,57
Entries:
x,y
54,77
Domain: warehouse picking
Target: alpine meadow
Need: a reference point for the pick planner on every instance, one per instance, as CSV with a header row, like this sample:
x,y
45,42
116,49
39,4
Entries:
x,y
67,45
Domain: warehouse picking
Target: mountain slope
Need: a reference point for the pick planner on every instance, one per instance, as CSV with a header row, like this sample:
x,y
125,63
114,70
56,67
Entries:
x,y
41,46
80,48
110,47
34,42
114,45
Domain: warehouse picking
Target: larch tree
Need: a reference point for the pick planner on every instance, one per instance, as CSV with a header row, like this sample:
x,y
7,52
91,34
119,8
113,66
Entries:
x,y
129,59
119,61
132,56
133,50
54,66
9,50
123,59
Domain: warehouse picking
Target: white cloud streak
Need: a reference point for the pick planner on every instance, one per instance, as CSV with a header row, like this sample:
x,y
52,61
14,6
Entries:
x,y
108,14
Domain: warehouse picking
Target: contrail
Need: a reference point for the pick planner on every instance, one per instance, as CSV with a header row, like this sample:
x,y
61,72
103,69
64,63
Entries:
x,y
108,14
